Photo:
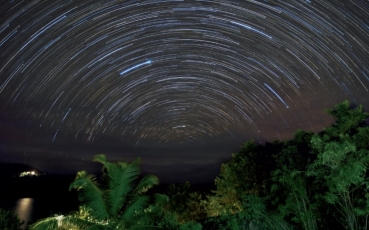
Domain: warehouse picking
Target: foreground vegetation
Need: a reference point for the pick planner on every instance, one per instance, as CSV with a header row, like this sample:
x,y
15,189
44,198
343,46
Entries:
x,y
9,221
313,181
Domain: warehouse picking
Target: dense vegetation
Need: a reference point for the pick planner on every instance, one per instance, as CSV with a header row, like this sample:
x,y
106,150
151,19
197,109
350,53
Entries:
x,y
9,221
313,181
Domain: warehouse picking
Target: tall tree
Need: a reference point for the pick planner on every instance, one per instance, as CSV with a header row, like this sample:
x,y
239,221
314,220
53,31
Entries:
x,y
248,173
233,180
291,189
342,165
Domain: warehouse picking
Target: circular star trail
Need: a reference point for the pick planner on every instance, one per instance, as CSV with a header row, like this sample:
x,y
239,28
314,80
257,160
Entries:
x,y
161,71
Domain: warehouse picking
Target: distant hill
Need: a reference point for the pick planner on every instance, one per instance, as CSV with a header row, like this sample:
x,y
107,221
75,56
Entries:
x,y
50,192
12,170
32,185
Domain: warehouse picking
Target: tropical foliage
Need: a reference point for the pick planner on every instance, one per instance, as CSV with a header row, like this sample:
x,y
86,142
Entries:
x,y
117,201
313,181
186,204
9,221
341,166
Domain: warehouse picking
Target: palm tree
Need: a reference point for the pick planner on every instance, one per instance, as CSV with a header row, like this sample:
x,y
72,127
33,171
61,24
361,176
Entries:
x,y
118,201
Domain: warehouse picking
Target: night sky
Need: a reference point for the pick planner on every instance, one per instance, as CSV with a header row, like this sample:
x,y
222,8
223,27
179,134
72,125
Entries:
x,y
180,83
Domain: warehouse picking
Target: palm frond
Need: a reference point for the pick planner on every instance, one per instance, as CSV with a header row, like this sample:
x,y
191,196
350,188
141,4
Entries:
x,y
147,182
146,227
122,179
160,198
81,179
101,158
90,194
137,204
99,227
159,201
121,164
49,223
71,222
115,173
62,222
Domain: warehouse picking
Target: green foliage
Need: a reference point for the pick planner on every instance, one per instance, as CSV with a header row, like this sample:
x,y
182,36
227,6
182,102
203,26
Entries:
x,y
241,221
258,217
347,119
119,202
234,181
291,185
9,221
169,221
90,194
308,182
178,197
187,205
341,167
305,181
226,222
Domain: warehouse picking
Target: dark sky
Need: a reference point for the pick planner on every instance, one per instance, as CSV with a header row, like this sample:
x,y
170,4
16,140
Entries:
x,y
180,83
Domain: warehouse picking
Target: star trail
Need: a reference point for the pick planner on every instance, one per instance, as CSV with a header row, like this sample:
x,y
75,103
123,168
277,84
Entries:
x,y
180,83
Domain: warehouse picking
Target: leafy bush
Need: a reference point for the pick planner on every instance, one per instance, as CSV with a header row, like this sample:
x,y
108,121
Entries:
x,y
9,221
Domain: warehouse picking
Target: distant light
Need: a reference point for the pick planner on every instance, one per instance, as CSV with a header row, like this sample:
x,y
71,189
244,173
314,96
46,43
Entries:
x,y
59,219
28,173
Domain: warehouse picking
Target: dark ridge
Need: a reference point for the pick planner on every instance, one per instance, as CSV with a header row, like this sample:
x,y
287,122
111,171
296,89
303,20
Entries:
x,y
13,170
